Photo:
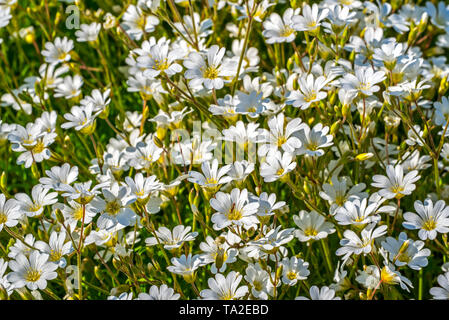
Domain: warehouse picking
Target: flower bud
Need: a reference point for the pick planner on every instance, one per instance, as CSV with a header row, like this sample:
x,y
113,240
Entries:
x,y
364,156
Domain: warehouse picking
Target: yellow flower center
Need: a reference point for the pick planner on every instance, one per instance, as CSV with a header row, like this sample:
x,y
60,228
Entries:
x,y
311,96
281,141
429,224
39,147
312,146
32,275
35,208
404,257
234,214
291,275
257,285
113,207
280,172
78,213
62,55
3,218
310,232
141,22
55,255
387,277
211,181
287,31
211,72
161,65
227,296
311,25
340,200
364,86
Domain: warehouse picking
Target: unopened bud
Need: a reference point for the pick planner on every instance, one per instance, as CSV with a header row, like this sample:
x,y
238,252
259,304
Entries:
x,y
335,127
3,181
364,156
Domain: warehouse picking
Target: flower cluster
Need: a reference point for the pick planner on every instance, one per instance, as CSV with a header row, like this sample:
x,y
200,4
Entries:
x,y
246,149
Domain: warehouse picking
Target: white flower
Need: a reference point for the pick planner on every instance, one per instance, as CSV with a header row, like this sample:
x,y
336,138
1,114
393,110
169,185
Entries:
x,y
70,87
191,151
9,212
174,118
160,60
395,185
430,219
142,187
5,16
222,288
59,175
58,51
212,176
159,293
369,277
441,111
172,239
439,17
325,293
279,29
294,269
337,192
364,81
122,296
33,142
267,204
56,248
339,17
225,107
312,226
240,170
234,209
82,118
51,74
413,138
390,276
73,213
103,236
136,22
251,104
98,99
33,271
88,32
310,19
280,135
242,134
353,244
81,192
359,212
202,28
144,155
40,198
185,266
259,280
313,140
406,252
115,207
4,283
308,93
272,242
219,252
47,121
211,72
276,166
147,87
441,292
